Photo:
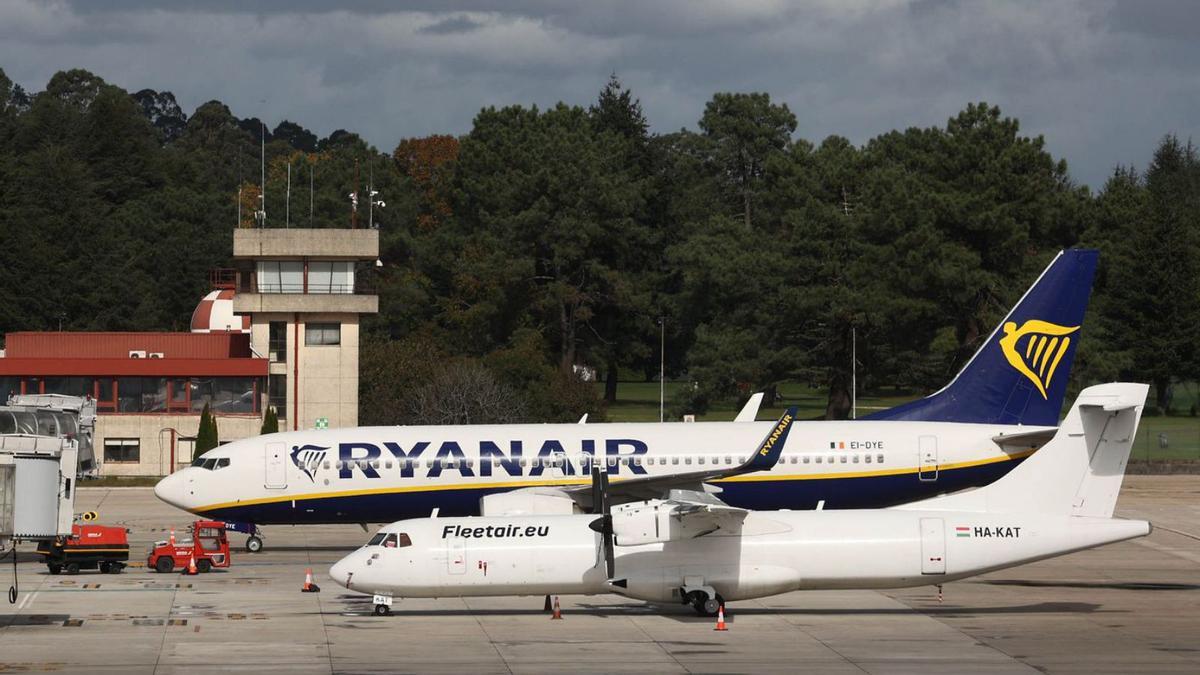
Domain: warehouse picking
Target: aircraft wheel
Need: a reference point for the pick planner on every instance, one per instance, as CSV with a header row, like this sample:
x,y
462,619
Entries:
x,y
204,566
72,568
697,600
254,544
712,605
164,564
105,568
382,610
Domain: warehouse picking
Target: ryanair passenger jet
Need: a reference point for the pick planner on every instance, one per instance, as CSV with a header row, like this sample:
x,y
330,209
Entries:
x,y
1000,407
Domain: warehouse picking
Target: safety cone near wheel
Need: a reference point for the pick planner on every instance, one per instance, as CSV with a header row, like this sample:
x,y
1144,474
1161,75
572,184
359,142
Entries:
x,y
721,619
309,586
191,567
557,610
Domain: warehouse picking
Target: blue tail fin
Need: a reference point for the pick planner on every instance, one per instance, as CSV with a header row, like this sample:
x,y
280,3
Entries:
x,y
1019,375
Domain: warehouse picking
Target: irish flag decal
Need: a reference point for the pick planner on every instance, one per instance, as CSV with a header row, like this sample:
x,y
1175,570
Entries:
x,y
963,531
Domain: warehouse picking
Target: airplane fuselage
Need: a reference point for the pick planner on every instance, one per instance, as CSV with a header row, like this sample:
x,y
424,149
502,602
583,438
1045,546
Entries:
x,y
382,474
770,553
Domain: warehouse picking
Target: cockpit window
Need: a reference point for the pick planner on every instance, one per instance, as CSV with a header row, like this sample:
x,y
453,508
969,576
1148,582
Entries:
x,y
222,463
211,463
390,541
199,461
377,539
404,540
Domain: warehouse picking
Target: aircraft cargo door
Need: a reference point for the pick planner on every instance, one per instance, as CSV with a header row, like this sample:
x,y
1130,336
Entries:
x,y
928,458
276,469
933,546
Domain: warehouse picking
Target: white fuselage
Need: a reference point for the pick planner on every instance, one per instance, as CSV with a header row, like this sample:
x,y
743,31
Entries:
x,y
381,474
771,553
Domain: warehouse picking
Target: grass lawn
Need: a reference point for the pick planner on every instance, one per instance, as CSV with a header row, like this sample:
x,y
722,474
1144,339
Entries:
x,y
638,402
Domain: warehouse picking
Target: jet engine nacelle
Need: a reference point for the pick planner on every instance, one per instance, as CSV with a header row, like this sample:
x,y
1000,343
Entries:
x,y
528,502
653,521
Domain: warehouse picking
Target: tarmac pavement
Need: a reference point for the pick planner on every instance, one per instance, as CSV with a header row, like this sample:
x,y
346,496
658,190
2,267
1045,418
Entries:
x,y
1133,606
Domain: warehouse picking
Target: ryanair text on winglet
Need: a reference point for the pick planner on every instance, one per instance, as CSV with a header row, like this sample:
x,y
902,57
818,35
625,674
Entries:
x,y
770,442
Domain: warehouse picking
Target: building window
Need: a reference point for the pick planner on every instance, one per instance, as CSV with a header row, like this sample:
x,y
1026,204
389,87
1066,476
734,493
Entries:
x,y
277,341
141,394
277,394
331,277
280,276
316,334
122,450
71,386
9,385
224,395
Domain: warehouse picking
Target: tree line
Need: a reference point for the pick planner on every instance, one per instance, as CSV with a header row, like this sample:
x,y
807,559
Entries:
x,y
547,245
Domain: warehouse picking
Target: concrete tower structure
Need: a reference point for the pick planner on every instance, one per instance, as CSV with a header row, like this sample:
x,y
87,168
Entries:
x,y
304,292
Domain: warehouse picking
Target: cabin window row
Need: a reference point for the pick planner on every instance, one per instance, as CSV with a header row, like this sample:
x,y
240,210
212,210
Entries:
x,y
553,462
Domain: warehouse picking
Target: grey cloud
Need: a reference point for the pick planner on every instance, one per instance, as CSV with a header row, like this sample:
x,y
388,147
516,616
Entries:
x,y
454,24
1102,81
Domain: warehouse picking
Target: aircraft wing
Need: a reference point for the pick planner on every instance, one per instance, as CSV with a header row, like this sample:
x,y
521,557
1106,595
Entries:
x,y
765,456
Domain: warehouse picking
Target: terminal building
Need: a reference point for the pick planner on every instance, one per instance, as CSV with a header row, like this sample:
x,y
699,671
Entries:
x,y
280,329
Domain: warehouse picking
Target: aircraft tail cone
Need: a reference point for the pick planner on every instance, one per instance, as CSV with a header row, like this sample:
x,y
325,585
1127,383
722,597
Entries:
x,y
191,567
721,619
557,610
309,586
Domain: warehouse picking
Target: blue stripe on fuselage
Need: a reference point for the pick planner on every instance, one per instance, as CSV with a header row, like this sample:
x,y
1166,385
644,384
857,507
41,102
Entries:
x,y
860,492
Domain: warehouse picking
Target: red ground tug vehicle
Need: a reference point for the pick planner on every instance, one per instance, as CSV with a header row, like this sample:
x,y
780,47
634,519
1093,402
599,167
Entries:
x,y
89,547
208,546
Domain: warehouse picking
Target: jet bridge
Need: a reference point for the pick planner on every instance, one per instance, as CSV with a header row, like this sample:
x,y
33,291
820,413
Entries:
x,y
45,446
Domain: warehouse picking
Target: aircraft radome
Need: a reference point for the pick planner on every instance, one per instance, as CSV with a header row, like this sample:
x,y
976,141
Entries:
x,y
692,548
1001,406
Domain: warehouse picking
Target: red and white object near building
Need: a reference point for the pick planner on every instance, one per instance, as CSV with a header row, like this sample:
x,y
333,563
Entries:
x,y
215,314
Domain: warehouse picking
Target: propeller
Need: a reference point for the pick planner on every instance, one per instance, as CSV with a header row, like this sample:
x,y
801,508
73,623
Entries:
x,y
603,524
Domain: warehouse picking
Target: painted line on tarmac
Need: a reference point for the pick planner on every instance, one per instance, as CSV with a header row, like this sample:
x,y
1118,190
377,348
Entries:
x,y
28,601
1186,555
1181,533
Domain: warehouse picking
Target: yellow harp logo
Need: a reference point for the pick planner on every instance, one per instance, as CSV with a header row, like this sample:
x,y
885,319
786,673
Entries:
x,y
1037,358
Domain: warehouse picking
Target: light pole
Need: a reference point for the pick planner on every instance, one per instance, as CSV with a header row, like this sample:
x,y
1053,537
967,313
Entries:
x,y
662,364
853,373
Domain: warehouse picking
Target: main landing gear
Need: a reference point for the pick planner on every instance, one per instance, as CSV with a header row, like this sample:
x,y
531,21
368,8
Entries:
x,y
706,601
254,544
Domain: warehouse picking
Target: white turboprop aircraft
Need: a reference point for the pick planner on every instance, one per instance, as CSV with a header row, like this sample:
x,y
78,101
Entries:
x,y
1003,405
692,548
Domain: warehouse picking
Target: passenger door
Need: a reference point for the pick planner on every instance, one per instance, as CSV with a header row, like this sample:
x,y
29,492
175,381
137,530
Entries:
x,y
927,456
276,466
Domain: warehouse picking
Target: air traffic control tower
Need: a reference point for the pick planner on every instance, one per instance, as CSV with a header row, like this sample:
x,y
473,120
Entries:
x,y
305,291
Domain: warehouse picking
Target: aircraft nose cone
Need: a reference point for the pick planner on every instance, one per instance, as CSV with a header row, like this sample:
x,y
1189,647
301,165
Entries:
x,y
340,572
170,490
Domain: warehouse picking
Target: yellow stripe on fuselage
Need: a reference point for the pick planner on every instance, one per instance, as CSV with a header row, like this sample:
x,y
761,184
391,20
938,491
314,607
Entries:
x,y
586,481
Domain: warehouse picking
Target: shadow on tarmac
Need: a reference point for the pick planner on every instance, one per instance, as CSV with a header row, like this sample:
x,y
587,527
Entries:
x,y
1115,585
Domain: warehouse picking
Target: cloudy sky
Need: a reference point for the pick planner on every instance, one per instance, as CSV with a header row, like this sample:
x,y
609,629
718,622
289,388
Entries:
x,y
1102,80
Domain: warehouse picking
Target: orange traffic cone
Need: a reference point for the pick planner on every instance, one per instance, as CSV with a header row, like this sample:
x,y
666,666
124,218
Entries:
x,y
191,567
721,619
309,586
557,610
172,541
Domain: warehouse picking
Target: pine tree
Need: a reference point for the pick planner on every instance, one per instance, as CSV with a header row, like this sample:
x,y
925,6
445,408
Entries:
x,y
270,423
206,435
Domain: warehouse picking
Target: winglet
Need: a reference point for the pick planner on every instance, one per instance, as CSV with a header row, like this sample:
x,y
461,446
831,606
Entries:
x,y
768,452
